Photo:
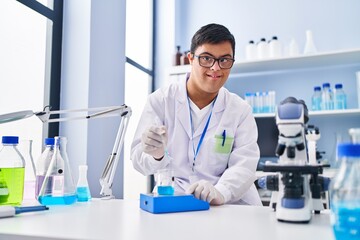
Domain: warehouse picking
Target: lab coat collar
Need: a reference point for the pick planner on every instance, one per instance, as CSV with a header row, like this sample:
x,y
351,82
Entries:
x,y
183,113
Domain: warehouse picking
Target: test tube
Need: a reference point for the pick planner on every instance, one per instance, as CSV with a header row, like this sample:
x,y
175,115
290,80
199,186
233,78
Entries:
x,y
249,98
272,101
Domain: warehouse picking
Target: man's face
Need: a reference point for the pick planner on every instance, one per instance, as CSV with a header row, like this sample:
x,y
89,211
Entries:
x,y
209,79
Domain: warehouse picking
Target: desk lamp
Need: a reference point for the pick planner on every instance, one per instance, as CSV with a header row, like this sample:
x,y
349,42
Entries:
x,y
123,111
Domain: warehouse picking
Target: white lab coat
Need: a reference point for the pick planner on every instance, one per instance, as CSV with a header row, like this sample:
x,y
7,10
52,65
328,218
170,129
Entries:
x,y
233,173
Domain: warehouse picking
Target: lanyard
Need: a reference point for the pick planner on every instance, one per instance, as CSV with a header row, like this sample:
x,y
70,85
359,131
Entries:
x,y
203,133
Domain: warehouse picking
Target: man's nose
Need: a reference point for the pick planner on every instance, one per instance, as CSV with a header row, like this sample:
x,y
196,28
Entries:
x,y
216,66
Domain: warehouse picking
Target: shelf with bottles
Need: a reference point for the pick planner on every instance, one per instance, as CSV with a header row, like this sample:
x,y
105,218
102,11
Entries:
x,y
322,59
324,113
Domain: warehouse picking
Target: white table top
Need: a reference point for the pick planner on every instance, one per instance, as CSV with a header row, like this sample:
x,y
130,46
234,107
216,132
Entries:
x,y
123,219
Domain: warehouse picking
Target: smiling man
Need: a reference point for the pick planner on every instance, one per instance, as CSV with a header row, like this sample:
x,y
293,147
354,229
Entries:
x,y
210,133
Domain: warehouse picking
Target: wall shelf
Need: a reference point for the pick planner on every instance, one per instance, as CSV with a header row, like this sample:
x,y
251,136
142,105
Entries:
x,y
345,112
326,59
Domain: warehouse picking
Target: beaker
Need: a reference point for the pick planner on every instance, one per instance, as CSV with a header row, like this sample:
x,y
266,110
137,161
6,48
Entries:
x,y
25,148
58,187
165,181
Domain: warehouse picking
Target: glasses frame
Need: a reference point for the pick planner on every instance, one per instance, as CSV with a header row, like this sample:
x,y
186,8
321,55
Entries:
x,y
215,60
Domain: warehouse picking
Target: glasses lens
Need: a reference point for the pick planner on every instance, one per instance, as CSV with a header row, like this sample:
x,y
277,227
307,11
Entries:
x,y
226,62
206,61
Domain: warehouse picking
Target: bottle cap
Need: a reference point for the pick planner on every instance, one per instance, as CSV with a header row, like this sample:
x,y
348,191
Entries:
x,y
274,38
317,88
49,141
10,139
326,85
348,150
339,85
251,42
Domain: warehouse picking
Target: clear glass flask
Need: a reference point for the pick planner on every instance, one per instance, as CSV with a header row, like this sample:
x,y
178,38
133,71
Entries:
x,y
58,187
82,187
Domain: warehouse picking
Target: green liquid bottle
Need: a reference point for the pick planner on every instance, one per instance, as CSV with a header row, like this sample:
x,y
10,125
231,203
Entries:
x,y
12,172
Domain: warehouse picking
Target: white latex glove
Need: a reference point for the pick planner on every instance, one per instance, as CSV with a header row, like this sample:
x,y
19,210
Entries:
x,y
204,190
154,141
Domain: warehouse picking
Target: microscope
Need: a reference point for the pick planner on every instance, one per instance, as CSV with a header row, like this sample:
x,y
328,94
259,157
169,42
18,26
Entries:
x,y
297,186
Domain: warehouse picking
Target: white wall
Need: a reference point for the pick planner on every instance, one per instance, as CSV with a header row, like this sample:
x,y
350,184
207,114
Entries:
x,y
93,76
165,40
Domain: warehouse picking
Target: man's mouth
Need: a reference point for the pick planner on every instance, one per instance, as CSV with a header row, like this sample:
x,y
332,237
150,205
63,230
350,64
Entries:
x,y
213,76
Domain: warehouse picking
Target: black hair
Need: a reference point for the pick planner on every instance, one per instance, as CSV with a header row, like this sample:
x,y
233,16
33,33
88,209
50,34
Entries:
x,y
212,33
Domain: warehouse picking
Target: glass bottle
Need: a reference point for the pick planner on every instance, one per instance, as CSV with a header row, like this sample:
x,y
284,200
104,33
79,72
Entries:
x,y
345,193
58,187
177,56
82,187
42,165
327,102
340,101
12,172
316,99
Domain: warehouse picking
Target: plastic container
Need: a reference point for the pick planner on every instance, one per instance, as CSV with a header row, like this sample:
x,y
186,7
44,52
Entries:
x,y
82,187
251,51
345,193
262,49
58,187
42,165
340,101
12,172
293,48
327,102
309,45
316,99
275,49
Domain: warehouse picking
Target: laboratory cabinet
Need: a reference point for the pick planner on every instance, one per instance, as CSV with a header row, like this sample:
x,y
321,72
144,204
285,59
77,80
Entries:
x,y
297,76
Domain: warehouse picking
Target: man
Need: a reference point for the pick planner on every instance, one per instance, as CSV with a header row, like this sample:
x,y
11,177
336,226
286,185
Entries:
x,y
209,132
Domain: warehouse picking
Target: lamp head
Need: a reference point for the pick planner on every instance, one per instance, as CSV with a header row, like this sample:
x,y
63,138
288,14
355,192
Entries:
x,y
14,116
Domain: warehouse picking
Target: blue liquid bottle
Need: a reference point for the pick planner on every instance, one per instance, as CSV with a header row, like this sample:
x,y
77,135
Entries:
x,y
340,101
327,102
316,99
345,193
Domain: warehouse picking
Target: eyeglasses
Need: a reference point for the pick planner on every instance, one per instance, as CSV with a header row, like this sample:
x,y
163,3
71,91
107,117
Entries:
x,y
208,62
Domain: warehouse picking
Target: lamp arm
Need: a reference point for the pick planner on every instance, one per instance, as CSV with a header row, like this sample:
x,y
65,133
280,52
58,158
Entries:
x,y
108,174
99,112
124,111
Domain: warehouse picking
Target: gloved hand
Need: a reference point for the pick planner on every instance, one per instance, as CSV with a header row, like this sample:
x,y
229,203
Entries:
x,y
154,141
204,190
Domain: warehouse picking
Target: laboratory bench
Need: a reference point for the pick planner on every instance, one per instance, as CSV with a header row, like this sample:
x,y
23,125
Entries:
x,y
123,219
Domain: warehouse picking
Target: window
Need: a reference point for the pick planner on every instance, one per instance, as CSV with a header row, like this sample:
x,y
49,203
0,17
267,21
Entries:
x,y
28,64
138,82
